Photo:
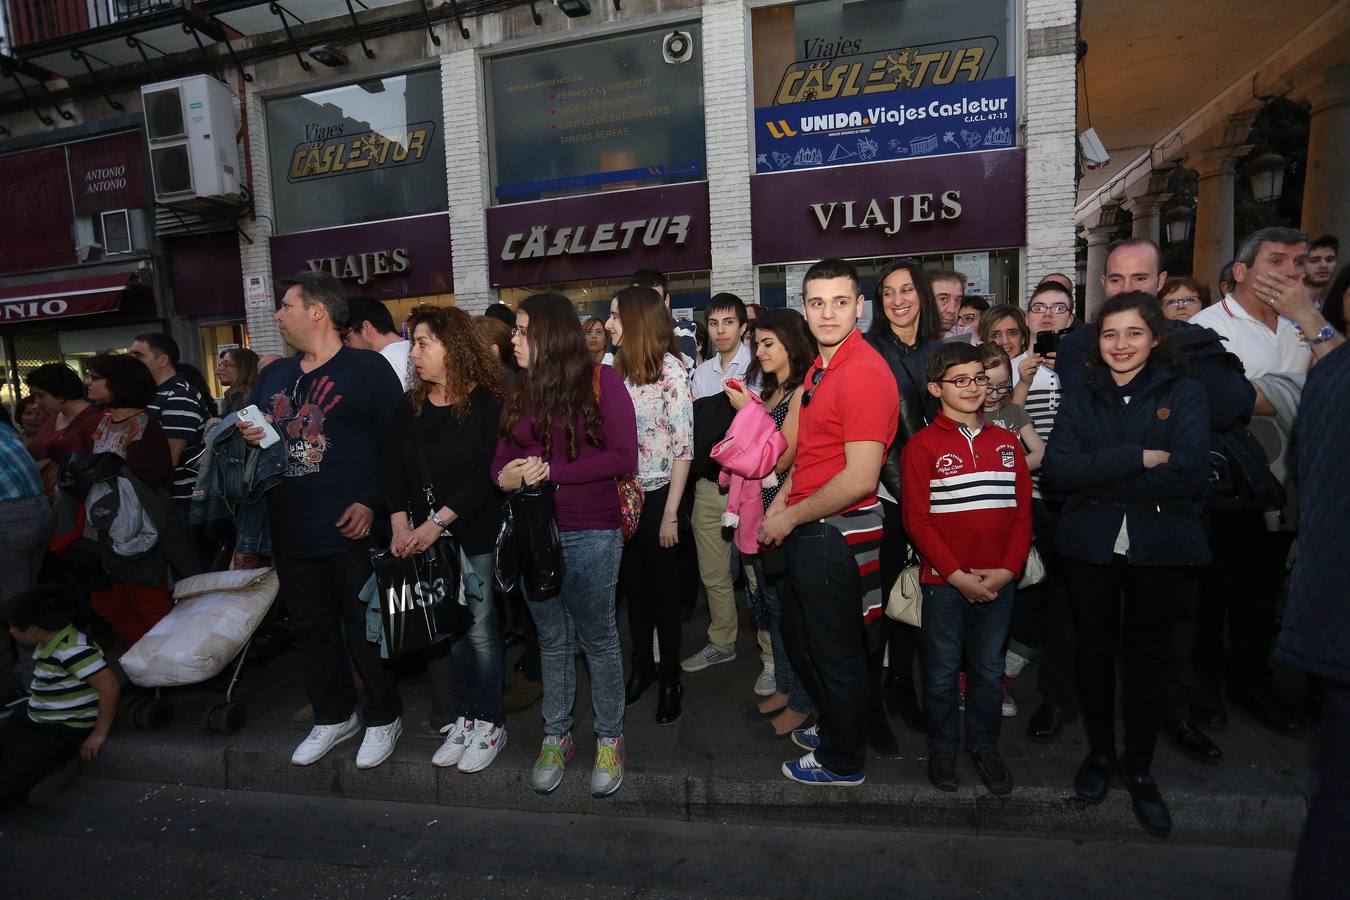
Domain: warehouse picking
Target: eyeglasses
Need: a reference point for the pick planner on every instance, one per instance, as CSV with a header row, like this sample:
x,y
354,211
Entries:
x,y
968,318
962,381
1000,388
520,332
815,380
1041,309
1179,302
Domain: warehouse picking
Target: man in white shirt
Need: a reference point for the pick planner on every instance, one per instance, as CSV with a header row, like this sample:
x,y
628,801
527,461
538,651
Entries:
x,y
727,324
371,327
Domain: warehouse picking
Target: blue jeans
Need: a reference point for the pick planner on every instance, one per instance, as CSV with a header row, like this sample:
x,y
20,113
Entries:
x,y
785,680
474,664
954,627
583,612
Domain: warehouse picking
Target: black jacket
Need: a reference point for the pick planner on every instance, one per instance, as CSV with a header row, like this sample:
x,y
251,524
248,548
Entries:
x,y
712,419
1096,461
917,407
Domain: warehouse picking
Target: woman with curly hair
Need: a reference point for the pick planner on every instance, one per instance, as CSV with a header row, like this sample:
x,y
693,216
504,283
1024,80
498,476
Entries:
x,y
441,442
570,421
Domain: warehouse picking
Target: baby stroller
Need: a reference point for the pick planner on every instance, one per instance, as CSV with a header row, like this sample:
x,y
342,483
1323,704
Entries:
x,y
210,626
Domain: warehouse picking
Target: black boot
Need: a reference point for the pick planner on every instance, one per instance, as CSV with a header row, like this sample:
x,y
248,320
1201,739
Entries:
x,y
1149,808
668,707
638,683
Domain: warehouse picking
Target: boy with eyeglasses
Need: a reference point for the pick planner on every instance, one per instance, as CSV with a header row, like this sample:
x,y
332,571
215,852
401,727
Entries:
x,y
966,502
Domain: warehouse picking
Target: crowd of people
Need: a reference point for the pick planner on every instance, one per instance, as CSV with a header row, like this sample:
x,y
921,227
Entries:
x,y
1113,500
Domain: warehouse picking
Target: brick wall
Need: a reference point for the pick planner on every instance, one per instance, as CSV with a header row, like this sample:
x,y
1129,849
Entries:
x,y
466,168
256,257
726,97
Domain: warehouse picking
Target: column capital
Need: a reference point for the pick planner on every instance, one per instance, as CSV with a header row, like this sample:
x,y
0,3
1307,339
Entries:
x,y
1219,161
1097,235
1331,91
1145,204
1104,216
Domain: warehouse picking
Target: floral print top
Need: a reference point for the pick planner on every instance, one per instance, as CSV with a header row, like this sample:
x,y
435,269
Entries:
x,y
665,423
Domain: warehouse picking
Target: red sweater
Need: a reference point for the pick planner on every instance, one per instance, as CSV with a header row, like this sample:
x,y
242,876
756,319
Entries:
x,y
966,500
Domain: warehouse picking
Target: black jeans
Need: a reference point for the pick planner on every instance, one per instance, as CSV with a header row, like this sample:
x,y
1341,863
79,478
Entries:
x,y
902,639
1043,617
826,641
1124,612
1183,685
1323,867
29,752
322,597
649,579
1242,584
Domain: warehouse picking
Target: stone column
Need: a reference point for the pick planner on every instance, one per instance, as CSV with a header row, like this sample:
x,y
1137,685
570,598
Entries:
x,y
466,168
726,98
1147,212
1098,239
1214,213
255,253
1326,188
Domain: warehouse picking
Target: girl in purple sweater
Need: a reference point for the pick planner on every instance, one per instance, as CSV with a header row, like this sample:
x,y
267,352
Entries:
x,y
555,428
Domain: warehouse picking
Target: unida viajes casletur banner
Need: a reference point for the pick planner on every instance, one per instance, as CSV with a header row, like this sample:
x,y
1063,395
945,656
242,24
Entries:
x,y
929,121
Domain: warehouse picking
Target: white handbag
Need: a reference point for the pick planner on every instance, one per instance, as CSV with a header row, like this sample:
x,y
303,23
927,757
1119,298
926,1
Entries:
x,y
905,603
1033,573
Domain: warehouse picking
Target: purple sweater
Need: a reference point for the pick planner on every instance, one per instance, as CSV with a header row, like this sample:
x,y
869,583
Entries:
x,y
587,498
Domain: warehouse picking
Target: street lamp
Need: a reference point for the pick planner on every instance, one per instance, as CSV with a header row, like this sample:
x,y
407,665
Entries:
x,y
1180,223
1266,174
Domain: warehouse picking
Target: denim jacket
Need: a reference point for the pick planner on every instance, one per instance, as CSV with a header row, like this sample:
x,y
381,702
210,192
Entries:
x,y
233,481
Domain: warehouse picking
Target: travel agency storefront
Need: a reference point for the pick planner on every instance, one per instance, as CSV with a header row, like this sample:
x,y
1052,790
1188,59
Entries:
x,y
77,272
359,189
885,130
597,165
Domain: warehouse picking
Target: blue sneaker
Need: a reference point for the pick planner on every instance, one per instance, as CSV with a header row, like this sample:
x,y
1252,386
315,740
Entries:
x,y
807,771
807,738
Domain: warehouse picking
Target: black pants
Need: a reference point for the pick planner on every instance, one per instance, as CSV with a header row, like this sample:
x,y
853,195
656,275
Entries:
x,y
826,642
322,597
1183,685
1124,613
902,639
649,579
29,752
1323,867
1242,585
1043,617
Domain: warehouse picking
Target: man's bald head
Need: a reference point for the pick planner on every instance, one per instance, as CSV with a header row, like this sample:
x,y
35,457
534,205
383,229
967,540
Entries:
x,y
1133,265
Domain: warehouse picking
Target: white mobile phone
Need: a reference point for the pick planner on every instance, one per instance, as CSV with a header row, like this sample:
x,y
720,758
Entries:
x,y
253,416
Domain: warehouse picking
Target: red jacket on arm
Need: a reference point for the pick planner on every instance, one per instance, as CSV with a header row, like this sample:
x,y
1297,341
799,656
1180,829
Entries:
x,y
966,499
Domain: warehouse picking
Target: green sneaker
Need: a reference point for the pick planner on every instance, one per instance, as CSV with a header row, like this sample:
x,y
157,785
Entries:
x,y
553,758
608,772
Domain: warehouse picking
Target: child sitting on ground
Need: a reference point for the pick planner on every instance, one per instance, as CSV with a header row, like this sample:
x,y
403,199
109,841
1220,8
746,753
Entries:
x,y
74,694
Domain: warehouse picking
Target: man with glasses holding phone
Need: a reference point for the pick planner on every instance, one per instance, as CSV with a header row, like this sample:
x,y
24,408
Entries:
x,y
828,518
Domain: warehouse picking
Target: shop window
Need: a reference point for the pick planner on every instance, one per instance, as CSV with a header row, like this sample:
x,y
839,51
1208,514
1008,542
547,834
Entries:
x,y
216,339
404,307
612,113
688,291
358,153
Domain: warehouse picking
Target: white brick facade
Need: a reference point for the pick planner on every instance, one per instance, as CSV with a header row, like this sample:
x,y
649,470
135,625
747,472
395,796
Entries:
x,y
726,98
256,257
466,172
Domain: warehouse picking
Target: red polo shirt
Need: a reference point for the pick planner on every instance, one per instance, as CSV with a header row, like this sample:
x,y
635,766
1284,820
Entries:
x,y
855,400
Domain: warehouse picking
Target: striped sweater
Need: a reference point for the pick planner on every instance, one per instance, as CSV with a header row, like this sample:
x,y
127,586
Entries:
x,y
61,694
966,499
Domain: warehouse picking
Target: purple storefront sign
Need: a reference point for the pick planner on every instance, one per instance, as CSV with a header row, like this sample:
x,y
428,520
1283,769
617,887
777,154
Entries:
x,y
961,202
605,235
387,260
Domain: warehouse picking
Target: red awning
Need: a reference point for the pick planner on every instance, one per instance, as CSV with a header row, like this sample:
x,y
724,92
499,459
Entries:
x,y
82,296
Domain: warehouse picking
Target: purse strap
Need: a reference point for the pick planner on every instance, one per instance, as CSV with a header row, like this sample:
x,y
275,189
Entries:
x,y
427,490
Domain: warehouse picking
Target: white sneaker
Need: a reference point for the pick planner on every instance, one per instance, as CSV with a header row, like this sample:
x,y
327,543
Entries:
x,y
378,744
456,742
485,742
1014,663
765,684
323,738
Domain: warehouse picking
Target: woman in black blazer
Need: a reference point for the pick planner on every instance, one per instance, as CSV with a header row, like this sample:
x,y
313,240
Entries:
x,y
1131,454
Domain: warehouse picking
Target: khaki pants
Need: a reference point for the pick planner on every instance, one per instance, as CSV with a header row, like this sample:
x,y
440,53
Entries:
x,y
714,568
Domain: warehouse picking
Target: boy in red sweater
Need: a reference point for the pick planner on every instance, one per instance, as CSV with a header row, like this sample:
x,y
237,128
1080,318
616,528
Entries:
x,y
966,501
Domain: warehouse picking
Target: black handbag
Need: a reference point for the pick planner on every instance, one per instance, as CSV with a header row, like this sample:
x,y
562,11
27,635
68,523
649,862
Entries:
x,y
421,597
528,546
1240,479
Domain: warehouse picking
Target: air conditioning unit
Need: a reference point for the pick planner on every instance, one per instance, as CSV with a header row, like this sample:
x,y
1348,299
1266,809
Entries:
x,y
116,231
189,123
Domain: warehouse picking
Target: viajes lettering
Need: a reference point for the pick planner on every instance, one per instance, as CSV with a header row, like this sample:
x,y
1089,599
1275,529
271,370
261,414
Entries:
x,y
888,214
539,243
882,71
330,152
361,267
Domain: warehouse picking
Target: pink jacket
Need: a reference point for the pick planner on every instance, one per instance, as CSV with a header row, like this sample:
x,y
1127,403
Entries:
x,y
747,455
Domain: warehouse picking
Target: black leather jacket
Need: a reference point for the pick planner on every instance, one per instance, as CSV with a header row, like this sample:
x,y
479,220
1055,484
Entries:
x,y
917,406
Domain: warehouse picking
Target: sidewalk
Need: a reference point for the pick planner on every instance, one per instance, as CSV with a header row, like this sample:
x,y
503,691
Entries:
x,y
721,761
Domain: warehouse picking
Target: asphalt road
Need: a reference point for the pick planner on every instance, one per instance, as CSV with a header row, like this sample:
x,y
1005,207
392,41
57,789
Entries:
x,y
111,839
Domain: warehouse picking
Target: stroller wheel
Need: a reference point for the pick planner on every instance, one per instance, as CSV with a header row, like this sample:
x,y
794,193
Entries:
x,y
226,718
151,714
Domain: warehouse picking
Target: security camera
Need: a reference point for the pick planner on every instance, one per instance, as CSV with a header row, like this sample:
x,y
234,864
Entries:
x,y
573,9
329,55
677,47
1093,150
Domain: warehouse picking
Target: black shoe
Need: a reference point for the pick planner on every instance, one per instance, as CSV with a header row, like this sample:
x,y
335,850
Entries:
x,y
993,771
1093,777
1148,804
1209,712
942,770
1047,722
898,694
668,703
880,737
1192,741
637,684
1268,711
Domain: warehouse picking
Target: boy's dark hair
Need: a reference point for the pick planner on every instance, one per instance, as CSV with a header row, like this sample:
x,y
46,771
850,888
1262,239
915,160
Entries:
x,y
160,343
129,382
832,268
1051,287
1326,240
944,356
368,309
57,379
725,301
974,301
502,313
650,278
46,606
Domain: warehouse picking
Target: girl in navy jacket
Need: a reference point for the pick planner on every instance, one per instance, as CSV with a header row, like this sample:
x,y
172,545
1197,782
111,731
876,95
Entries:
x,y
1130,453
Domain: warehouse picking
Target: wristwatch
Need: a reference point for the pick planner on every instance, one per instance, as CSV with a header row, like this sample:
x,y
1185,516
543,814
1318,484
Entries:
x,y
436,518
1325,334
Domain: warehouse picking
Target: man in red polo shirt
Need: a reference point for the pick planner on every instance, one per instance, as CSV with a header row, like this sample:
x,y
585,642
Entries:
x,y
828,519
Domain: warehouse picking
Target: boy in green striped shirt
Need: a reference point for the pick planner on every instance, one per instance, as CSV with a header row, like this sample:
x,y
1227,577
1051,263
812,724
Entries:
x,y
73,700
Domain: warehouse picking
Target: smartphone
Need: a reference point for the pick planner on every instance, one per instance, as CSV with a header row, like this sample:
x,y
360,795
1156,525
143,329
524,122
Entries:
x,y
734,384
253,416
1047,342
